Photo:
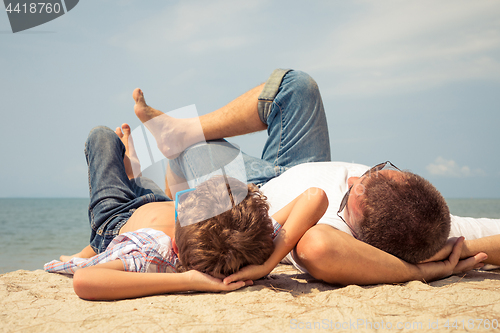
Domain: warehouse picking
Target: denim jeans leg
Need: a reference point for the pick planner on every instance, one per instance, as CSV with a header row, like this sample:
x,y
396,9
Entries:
x,y
297,127
204,160
291,106
112,195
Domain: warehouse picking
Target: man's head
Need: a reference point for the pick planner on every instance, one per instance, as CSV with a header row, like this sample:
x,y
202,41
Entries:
x,y
398,212
228,241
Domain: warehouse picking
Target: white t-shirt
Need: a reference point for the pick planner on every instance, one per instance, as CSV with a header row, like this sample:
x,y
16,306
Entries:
x,y
332,178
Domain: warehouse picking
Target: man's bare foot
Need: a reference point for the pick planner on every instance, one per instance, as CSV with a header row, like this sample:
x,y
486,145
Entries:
x,y
130,160
172,135
143,111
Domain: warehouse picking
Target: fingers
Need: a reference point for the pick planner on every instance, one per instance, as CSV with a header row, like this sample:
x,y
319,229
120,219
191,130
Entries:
x,y
474,262
457,250
235,278
237,285
234,285
444,252
231,278
478,266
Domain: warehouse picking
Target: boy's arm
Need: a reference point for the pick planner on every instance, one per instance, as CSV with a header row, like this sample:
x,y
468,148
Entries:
x,y
296,218
108,281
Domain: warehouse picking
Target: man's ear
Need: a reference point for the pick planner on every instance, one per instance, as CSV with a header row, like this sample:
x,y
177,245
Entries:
x,y
174,246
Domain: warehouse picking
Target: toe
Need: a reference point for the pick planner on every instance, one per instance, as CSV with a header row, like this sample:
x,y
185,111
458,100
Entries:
x,y
126,129
138,95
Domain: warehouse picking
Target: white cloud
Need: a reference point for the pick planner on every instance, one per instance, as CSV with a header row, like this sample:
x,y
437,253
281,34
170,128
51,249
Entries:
x,y
382,47
450,168
396,46
192,28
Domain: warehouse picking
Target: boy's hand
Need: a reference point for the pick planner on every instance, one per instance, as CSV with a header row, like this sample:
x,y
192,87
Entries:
x,y
453,265
250,272
205,282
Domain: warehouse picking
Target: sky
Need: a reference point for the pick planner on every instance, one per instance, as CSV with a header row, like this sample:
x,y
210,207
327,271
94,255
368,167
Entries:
x,y
413,82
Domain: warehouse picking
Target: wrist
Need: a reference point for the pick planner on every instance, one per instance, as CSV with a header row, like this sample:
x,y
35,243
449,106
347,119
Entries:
x,y
417,273
268,266
190,279
466,252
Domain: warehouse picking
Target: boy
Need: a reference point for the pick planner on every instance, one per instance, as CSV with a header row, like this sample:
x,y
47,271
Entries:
x,y
133,225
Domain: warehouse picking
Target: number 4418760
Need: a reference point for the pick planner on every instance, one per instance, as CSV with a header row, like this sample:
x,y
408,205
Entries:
x,y
472,324
34,8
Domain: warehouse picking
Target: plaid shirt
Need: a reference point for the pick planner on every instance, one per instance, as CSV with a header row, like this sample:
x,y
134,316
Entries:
x,y
145,250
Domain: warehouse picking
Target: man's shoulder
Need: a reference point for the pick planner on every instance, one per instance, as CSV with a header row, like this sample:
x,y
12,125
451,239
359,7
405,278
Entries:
x,y
329,166
320,170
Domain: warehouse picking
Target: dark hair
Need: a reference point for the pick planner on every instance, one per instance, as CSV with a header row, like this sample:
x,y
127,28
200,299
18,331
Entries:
x,y
230,240
405,216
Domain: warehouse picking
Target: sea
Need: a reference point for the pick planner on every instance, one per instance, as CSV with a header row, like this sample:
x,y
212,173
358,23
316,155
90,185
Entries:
x,y
36,231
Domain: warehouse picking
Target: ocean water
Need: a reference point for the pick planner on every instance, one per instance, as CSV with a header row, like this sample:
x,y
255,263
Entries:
x,y
36,231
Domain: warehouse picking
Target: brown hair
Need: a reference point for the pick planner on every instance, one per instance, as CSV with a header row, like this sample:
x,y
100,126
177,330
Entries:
x,y
223,244
405,216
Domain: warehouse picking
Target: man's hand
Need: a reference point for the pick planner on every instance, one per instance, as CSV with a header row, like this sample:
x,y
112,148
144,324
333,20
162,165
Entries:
x,y
453,265
250,272
205,282
444,252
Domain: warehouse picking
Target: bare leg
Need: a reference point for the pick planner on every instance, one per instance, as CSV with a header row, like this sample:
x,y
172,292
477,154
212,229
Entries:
x,y
236,118
174,135
130,160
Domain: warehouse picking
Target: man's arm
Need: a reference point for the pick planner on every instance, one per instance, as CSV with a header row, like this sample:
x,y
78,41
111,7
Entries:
x,y
489,245
296,218
336,257
108,281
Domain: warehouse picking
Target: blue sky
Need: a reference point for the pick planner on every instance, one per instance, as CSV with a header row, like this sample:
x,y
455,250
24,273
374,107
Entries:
x,y
414,82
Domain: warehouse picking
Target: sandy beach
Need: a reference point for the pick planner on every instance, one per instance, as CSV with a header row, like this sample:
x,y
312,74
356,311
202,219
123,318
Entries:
x,y
36,301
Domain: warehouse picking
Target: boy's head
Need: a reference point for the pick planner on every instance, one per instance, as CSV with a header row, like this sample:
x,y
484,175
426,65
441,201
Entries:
x,y
228,241
405,216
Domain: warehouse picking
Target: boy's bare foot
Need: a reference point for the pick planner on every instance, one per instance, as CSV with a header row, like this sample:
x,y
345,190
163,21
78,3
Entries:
x,y
66,258
172,135
130,160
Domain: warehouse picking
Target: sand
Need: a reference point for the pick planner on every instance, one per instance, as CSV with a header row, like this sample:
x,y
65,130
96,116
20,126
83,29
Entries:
x,y
286,301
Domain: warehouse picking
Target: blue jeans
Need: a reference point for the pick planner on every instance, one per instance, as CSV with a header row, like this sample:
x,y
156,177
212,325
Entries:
x,y
113,197
291,107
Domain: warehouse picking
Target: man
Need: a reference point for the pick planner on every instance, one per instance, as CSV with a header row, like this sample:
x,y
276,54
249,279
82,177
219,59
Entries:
x,y
289,106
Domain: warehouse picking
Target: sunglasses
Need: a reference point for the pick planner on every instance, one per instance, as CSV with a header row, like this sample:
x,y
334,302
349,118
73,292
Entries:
x,y
343,203
180,197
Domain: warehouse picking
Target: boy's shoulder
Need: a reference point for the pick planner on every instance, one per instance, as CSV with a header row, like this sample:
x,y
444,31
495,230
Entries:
x,y
147,250
143,237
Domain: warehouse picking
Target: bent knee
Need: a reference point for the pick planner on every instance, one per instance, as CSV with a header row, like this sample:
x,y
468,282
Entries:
x,y
100,134
100,131
303,83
